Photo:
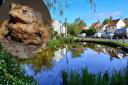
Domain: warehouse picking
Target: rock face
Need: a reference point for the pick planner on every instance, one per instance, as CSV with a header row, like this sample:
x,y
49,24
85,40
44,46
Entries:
x,y
24,27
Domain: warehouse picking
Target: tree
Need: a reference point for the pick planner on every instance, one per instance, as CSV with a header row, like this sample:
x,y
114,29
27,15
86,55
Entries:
x,y
106,21
74,28
70,29
90,31
53,4
54,34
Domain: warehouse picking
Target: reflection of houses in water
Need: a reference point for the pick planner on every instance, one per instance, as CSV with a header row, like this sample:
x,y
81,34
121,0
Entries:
x,y
59,54
100,49
117,54
114,53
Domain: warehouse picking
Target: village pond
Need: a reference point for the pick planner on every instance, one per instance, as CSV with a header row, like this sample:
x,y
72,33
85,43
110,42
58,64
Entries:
x,y
46,68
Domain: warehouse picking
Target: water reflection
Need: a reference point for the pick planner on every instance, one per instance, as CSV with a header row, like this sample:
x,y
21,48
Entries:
x,y
59,54
112,52
75,50
43,59
46,66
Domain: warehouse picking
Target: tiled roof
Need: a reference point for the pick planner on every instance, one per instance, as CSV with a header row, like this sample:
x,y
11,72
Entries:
x,y
113,22
126,22
103,25
95,25
83,28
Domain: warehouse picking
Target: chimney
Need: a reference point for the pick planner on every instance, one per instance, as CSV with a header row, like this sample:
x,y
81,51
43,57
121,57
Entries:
x,y
110,18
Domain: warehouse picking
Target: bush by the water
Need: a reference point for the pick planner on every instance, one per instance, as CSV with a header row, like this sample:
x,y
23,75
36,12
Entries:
x,y
59,41
117,78
11,72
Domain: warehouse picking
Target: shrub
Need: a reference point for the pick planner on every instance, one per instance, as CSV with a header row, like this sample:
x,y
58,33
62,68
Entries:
x,y
11,72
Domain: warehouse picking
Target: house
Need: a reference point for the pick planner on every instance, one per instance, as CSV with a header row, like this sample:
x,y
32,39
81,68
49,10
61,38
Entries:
x,y
103,28
59,27
84,28
96,25
126,23
115,24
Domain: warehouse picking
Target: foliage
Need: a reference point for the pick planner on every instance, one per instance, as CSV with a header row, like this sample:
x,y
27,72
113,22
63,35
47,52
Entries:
x,y
106,42
74,28
11,72
117,78
75,49
61,4
54,34
90,31
42,59
106,21
53,43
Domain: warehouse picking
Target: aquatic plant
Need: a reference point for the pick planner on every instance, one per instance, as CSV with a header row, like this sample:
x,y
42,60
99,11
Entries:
x,y
86,78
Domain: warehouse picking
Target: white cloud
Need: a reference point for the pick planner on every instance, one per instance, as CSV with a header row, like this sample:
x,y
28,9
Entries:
x,y
105,15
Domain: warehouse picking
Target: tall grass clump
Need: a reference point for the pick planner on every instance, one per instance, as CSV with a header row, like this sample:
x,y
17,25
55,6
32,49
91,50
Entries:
x,y
11,72
53,43
86,78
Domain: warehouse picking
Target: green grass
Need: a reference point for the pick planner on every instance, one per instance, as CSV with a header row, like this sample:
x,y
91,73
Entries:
x,y
11,72
54,42
117,78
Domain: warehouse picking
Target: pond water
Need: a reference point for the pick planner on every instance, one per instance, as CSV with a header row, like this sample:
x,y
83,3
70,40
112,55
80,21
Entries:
x,y
46,68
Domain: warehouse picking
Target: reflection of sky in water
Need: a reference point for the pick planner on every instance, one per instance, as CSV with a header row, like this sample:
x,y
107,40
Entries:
x,y
90,59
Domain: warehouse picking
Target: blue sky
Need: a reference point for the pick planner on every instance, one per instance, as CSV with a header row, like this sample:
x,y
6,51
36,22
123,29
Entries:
x,y
104,9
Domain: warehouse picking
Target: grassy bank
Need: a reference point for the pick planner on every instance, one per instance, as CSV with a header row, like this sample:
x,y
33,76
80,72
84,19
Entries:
x,y
107,42
54,42
120,45
117,78
11,72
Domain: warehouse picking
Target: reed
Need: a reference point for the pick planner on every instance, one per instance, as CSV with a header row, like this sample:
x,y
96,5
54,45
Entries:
x,y
86,78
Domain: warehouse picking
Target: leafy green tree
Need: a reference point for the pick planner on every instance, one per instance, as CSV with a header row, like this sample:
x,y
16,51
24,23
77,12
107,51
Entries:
x,y
74,28
70,29
106,21
90,31
56,4
54,34
60,4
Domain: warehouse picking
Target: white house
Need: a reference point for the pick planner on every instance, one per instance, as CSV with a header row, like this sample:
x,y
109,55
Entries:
x,y
59,27
103,28
115,24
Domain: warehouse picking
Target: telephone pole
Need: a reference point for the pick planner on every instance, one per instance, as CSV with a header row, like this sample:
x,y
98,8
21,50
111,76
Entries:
x,y
65,27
